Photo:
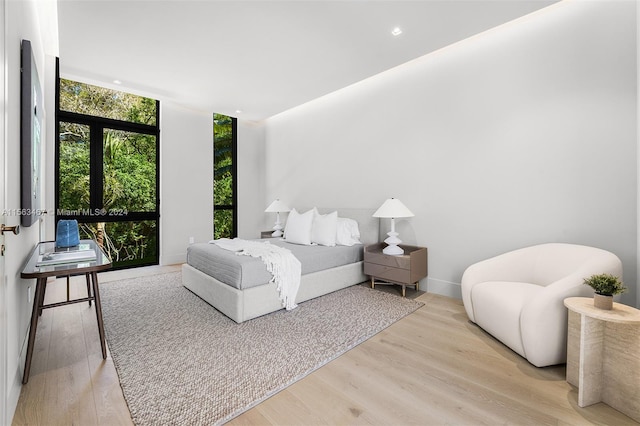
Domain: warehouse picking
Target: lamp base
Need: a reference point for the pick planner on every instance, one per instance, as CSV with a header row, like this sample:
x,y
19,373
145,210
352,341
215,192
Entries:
x,y
392,244
277,228
393,250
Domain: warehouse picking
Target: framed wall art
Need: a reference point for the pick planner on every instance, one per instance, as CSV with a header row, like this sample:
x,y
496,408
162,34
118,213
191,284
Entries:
x,y
31,119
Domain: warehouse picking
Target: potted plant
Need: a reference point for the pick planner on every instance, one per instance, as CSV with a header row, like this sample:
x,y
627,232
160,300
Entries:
x,y
605,285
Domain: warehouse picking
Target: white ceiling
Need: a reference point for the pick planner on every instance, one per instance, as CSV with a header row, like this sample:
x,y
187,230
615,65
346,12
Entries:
x,y
262,57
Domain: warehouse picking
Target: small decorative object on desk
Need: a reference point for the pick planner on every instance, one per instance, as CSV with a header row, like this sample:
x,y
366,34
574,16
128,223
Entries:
x,y
62,257
67,233
606,286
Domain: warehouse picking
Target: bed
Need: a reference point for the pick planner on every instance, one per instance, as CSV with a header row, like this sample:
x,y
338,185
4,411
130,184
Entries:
x,y
244,301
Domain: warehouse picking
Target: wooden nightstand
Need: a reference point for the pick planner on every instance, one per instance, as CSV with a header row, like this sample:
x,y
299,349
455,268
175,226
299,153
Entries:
x,y
403,270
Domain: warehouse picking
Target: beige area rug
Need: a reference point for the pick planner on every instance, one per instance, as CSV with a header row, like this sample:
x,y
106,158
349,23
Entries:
x,y
180,361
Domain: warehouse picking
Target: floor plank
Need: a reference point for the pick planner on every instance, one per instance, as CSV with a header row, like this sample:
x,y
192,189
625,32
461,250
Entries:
x,y
432,367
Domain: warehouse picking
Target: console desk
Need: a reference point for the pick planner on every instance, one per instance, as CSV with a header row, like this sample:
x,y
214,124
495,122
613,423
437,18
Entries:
x,y
89,268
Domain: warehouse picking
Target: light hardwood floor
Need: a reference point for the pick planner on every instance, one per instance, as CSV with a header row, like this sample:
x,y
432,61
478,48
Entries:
x,y
433,367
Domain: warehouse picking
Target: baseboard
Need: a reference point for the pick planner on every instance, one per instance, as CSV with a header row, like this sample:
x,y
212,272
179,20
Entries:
x,y
15,387
13,396
443,288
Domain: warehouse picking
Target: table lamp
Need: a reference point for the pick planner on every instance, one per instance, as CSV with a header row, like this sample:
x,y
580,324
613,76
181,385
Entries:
x,y
276,207
393,208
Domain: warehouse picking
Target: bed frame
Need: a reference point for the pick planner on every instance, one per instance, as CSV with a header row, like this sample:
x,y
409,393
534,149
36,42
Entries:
x,y
243,305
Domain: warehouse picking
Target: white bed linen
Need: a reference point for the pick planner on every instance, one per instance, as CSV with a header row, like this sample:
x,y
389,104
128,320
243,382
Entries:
x,y
280,262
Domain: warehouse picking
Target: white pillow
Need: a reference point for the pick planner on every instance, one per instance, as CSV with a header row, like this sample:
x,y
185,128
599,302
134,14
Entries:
x,y
324,228
347,232
298,227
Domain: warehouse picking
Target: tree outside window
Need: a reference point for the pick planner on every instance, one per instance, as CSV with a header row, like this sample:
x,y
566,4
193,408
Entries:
x,y
107,169
224,177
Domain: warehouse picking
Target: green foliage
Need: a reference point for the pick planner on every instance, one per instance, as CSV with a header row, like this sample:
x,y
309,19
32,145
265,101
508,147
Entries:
x,y
126,243
74,166
143,111
222,175
129,171
102,102
605,284
223,187
129,167
222,224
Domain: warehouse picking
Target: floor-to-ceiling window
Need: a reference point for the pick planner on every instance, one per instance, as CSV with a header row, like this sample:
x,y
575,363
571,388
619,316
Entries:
x,y
107,169
225,223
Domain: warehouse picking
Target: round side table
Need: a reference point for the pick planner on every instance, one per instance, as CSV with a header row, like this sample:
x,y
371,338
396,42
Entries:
x,y
603,354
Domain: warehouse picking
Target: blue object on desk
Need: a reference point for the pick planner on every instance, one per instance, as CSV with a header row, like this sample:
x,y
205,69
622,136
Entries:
x,y
67,233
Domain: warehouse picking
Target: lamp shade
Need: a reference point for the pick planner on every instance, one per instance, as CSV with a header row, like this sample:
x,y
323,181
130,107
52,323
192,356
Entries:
x,y
277,206
393,208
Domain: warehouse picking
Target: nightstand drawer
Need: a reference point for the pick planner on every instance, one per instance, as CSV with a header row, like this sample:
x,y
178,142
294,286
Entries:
x,y
402,262
384,272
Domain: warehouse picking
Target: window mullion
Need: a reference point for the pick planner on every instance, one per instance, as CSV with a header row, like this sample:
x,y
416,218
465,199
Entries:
x,y
82,162
96,173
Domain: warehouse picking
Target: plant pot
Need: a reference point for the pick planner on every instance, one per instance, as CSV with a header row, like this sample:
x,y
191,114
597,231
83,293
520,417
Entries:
x,y
602,301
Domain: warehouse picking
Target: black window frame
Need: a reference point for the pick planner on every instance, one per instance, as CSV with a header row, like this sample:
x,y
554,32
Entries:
x,y
97,125
234,177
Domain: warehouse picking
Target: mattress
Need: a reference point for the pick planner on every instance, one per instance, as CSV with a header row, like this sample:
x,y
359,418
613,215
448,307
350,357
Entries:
x,y
244,272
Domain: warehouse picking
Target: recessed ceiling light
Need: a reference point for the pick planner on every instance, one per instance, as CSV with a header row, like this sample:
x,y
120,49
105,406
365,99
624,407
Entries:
x,y
238,111
117,81
396,31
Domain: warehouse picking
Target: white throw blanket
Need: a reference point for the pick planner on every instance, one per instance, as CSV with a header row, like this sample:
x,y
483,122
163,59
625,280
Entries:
x,y
280,262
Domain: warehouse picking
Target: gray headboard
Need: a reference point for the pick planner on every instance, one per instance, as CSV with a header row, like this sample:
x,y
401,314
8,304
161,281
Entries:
x,y
369,226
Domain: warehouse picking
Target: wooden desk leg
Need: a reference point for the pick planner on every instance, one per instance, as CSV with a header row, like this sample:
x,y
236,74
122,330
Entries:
x,y
96,293
88,287
35,313
40,302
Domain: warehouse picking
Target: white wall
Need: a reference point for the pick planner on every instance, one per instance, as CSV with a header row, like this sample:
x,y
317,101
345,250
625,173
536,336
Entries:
x,y
47,222
186,180
37,23
251,185
5,417
521,135
638,137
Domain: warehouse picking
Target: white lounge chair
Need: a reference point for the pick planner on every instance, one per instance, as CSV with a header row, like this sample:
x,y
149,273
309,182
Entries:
x,y
518,296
